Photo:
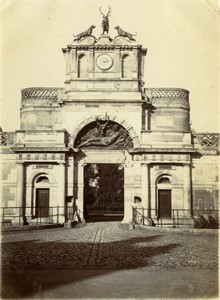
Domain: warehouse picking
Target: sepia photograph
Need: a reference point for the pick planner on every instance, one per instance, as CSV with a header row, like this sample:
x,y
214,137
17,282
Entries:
x,y
109,138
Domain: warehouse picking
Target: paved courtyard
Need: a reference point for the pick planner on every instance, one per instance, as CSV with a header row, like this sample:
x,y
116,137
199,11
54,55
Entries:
x,y
100,249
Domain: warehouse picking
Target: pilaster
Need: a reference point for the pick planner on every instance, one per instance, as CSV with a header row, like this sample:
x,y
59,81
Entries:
x,y
187,187
145,185
62,190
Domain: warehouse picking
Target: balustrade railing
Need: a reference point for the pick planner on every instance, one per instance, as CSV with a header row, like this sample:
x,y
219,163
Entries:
x,y
40,93
173,93
208,140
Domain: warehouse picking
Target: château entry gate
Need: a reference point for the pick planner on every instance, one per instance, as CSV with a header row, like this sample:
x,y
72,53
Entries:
x,y
103,192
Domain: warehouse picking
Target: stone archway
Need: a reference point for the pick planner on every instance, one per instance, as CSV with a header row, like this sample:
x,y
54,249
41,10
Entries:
x,y
103,134
103,142
102,119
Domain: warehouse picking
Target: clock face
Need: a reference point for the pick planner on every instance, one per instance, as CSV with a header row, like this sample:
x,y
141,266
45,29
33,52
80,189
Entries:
x,y
104,61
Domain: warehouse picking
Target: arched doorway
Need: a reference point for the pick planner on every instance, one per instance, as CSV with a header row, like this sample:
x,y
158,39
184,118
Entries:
x,y
99,170
42,196
164,191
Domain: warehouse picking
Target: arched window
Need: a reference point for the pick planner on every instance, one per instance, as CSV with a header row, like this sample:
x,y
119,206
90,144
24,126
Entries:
x,y
82,70
164,180
126,68
42,179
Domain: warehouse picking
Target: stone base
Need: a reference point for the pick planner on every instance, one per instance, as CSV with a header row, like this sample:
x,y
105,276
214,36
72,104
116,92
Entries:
x,y
70,224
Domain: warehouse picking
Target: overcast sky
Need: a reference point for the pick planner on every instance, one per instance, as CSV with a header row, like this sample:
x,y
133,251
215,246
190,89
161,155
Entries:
x,y
182,38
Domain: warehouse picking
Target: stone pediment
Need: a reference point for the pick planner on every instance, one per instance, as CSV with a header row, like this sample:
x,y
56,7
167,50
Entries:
x,y
119,40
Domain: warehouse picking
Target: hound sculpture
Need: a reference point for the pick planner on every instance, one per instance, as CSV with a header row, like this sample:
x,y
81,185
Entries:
x,y
83,34
125,34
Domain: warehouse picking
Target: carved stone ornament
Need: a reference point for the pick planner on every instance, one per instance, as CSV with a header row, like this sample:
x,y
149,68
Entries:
x,y
103,134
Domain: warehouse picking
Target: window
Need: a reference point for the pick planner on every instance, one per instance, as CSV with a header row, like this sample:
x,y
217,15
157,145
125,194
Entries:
x,y
82,67
126,66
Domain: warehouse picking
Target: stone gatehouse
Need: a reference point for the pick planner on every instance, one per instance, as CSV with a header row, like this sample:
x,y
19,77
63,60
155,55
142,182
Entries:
x,y
107,142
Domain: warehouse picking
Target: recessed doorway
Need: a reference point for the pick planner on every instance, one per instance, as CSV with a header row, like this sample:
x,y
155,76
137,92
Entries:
x,y
42,203
103,192
164,203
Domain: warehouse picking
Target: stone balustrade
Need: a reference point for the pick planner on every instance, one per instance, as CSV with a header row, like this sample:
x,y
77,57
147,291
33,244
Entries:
x,y
167,93
7,138
40,93
207,140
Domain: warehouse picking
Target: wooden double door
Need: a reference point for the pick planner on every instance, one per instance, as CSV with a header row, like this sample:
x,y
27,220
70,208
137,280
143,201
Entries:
x,y
164,203
42,202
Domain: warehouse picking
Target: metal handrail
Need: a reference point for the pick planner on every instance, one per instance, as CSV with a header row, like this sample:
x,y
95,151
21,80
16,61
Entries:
x,y
177,218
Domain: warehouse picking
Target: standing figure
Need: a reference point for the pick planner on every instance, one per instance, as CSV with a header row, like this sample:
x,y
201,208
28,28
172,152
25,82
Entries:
x,y
105,20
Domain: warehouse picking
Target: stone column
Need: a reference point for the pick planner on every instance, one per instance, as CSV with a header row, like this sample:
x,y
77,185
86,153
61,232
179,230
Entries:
x,y
20,191
128,192
80,194
187,188
143,118
145,185
62,192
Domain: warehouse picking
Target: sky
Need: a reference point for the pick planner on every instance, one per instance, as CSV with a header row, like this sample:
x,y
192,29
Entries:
x,y
182,38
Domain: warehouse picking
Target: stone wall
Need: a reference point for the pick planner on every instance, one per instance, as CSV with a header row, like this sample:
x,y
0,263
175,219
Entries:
x,y
8,178
205,182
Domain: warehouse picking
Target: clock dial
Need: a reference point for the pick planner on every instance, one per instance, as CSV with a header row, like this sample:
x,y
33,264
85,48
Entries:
x,y
104,61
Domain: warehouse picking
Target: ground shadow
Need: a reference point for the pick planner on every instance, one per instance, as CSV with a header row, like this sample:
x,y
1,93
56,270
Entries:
x,y
24,258
35,267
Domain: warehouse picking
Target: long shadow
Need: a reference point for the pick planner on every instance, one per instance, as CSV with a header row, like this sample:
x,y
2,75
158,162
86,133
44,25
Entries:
x,y
31,267
21,261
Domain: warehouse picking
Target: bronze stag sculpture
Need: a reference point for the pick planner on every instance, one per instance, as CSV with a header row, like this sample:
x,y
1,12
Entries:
x,y
105,20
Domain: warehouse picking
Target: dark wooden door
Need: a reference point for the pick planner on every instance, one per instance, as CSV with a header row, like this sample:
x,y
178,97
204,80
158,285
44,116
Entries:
x,y
42,203
164,203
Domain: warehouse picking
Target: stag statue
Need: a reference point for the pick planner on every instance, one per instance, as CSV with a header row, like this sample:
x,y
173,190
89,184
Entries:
x,y
105,20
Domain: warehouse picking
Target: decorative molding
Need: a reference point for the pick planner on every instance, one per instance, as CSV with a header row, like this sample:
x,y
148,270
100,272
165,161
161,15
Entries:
x,y
40,166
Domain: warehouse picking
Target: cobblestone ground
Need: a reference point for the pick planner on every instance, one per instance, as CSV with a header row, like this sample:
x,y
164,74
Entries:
x,y
108,245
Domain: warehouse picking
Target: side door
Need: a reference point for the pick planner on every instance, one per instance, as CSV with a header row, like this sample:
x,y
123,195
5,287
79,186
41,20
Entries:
x,y
42,203
164,205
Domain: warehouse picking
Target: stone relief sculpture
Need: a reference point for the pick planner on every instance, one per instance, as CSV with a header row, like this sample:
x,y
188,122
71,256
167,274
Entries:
x,y
83,34
105,20
103,134
124,33
101,141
